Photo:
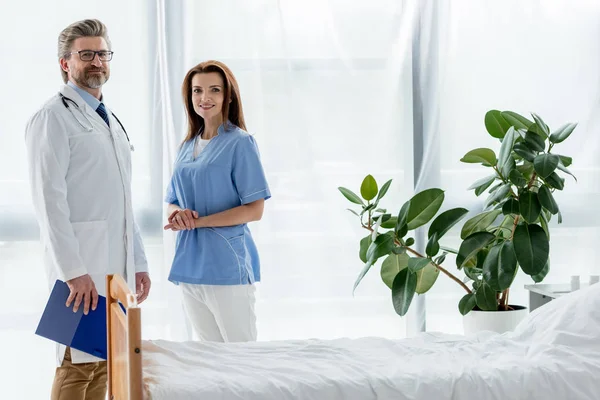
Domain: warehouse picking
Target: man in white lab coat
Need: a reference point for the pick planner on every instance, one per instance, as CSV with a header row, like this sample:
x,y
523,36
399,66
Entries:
x,y
80,168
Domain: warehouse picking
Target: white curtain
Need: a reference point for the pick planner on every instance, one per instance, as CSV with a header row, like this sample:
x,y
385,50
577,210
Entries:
x,y
332,90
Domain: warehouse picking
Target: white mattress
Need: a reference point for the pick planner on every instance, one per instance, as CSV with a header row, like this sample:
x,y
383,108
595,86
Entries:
x,y
553,354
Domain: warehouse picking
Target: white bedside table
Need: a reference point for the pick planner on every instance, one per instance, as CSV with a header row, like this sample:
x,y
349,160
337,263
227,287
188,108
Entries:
x,y
542,293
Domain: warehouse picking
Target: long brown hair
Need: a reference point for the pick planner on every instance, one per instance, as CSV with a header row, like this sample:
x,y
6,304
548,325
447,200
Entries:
x,y
231,111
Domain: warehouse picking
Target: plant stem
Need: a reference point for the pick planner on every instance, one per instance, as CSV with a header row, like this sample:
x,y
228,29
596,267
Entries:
x,y
512,234
448,273
499,174
532,180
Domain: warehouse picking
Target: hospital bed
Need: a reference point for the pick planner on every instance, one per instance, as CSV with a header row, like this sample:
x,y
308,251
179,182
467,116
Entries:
x,y
553,354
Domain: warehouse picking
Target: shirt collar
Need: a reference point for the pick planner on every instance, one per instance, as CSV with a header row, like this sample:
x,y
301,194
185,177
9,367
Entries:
x,y
88,98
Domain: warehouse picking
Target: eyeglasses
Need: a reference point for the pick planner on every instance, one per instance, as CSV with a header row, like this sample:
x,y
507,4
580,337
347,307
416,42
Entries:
x,y
89,55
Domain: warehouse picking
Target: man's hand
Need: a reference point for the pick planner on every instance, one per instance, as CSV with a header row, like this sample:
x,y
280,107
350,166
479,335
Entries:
x,y
142,285
82,289
182,220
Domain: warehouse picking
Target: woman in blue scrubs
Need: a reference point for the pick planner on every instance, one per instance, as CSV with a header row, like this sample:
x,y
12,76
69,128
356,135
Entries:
x,y
218,186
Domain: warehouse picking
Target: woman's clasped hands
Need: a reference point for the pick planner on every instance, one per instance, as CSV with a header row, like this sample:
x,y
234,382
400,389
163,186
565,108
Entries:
x,y
182,219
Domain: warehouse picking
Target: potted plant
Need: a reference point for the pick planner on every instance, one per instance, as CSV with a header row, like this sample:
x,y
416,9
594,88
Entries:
x,y
510,234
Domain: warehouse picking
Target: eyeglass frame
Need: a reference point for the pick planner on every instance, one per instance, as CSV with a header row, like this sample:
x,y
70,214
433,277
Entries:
x,y
96,53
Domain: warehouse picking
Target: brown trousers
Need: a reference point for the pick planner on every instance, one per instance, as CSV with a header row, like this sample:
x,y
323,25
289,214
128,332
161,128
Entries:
x,y
79,381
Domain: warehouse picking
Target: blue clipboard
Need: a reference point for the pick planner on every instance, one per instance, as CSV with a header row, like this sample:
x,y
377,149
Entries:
x,y
59,323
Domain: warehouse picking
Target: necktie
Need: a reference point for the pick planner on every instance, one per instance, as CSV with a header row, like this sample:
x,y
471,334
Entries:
x,y
102,112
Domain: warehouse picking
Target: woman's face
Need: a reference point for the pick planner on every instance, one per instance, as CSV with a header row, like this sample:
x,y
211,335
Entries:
x,y
208,95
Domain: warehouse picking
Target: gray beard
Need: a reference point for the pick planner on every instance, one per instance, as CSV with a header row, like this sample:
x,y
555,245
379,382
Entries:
x,y
91,81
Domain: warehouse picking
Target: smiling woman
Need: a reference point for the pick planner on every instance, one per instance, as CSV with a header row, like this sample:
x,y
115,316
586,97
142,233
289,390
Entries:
x,y
218,187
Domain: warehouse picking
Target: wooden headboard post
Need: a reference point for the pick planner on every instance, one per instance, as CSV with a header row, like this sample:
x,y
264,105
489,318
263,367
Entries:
x,y
124,341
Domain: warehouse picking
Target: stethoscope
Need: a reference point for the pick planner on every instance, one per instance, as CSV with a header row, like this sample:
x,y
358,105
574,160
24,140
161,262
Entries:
x,y
66,100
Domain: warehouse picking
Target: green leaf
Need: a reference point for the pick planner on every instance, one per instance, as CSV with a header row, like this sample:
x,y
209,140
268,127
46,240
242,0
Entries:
x,y
390,267
389,223
506,148
566,161
531,248
426,277
545,164
484,156
399,250
530,206
417,263
481,184
423,206
353,212
534,141
368,189
433,246
516,178
506,225
495,187
544,224
509,166
555,181
472,245
486,298
498,195
543,130
449,250
368,208
526,169
524,151
516,120
382,246
510,206
467,303
565,170
562,133
547,200
402,225
445,221
473,272
362,274
479,223
409,242
559,217
495,124
350,195
383,190
441,259
540,277
364,245
403,290
500,266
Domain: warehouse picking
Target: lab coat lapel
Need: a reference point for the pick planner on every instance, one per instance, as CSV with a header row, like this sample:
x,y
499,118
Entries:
x,y
85,108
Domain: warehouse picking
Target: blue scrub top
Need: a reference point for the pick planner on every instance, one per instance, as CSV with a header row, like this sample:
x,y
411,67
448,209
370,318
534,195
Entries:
x,y
226,174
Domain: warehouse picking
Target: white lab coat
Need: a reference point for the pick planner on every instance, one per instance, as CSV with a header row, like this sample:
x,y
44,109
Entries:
x,y
81,184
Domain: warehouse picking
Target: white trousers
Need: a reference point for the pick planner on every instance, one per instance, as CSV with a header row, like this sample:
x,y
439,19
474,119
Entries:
x,y
221,313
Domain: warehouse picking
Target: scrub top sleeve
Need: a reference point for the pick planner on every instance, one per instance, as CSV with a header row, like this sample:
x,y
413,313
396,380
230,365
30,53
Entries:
x,y
248,174
171,196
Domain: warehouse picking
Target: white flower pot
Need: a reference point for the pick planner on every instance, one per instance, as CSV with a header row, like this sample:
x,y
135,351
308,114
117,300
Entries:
x,y
495,321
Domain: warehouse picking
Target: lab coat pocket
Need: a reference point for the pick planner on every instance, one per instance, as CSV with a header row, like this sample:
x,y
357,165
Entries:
x,y
92,237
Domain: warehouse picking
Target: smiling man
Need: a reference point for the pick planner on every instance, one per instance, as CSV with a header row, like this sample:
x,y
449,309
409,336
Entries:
x,y
80,173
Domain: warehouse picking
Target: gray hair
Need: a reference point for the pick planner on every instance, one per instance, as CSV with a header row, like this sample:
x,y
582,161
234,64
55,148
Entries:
x,y
79,29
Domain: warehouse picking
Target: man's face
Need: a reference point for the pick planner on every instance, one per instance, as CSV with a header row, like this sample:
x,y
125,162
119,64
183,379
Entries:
x,y
87,74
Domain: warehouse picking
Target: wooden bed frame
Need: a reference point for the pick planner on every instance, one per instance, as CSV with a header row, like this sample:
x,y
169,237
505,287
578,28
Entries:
x,y
124,341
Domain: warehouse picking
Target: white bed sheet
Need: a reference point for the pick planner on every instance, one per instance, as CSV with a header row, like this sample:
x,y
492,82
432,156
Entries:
x,y
553,354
